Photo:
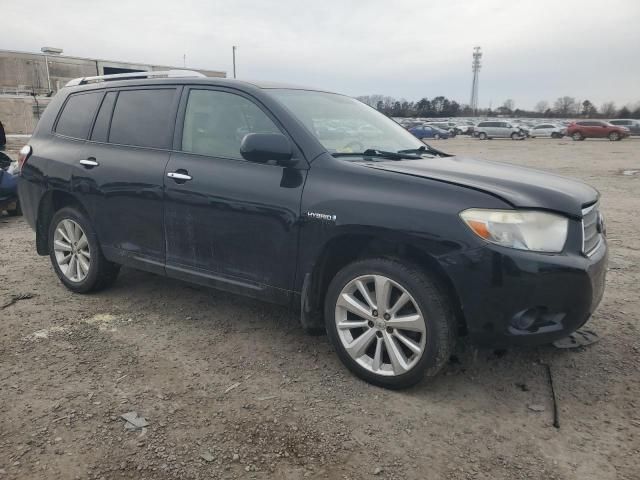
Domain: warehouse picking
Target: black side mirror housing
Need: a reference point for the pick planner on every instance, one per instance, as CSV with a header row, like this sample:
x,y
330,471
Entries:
x,y
262,147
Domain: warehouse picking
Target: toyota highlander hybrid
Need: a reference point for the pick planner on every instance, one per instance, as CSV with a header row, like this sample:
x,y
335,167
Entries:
x,y
314,200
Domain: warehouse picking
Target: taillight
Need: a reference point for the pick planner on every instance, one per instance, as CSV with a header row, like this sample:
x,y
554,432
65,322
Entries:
x,y
23,156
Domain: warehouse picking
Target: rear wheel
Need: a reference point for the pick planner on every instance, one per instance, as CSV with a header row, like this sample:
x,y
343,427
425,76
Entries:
x,y
390,323
482,136
614,136
76,255
17,211
437,136
577,136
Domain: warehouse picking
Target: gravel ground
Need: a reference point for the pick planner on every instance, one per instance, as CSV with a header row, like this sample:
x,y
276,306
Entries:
x,y
232,388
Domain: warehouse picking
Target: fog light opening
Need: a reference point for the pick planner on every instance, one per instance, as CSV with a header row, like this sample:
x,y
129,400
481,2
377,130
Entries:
x,y
530,319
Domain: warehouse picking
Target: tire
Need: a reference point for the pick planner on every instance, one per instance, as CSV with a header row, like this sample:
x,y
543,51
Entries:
x,y
436,136
100,273
555,135
614,136
577,136
482,136
515,136
426,302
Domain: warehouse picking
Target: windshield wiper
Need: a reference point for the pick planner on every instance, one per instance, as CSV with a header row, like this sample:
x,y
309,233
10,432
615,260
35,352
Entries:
x,y
372,152
425,149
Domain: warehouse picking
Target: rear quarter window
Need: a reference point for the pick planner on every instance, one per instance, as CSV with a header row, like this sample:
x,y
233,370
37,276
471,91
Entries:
x,y
77,114
143,118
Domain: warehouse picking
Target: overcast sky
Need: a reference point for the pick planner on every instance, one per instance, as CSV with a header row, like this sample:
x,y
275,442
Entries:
x,y
533,50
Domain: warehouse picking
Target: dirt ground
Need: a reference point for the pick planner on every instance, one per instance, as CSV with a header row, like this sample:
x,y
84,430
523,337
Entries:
x,y
232,388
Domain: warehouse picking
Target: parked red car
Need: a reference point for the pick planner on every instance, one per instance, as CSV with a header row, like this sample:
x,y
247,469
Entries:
x,y
596,129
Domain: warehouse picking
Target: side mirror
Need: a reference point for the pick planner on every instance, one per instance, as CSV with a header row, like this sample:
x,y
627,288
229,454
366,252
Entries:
x,y
262,147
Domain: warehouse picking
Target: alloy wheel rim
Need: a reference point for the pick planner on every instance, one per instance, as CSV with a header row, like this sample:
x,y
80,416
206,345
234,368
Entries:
x,y
72,251
380,325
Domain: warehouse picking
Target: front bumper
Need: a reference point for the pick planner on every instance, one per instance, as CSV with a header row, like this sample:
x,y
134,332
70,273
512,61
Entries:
x,y
513,297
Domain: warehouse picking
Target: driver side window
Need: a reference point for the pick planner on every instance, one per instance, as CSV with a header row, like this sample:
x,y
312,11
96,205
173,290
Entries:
x,y
216,122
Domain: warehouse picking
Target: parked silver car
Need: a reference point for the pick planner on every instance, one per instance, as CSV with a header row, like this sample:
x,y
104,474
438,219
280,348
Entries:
x,y
548,130
632,125
498,129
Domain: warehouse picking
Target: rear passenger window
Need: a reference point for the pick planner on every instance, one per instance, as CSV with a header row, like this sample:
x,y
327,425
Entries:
x,y
77,115
216,122
142,118
101,128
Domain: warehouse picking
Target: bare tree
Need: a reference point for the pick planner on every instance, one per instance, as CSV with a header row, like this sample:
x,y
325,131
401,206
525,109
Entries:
x,y
588,109
542,106
608,109
509,105
565,105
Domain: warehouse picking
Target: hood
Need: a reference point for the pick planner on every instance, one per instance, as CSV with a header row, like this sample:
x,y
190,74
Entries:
x,y
520,186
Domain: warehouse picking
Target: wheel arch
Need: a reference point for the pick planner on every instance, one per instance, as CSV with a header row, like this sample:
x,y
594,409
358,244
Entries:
x,y
52,201
346,248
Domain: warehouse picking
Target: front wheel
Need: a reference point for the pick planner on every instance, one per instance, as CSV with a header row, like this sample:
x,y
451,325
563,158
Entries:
x,y
482,136
76,255
389,322
515,136
437,136
577,136
614,136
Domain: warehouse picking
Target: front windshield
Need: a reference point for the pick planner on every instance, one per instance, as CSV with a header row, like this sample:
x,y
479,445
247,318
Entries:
x,y
345,125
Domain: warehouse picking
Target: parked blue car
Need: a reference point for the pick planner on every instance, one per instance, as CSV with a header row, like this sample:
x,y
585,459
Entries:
x,y
9,186
426,131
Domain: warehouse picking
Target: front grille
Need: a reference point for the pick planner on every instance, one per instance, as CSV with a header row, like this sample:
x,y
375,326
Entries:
x,y
591,235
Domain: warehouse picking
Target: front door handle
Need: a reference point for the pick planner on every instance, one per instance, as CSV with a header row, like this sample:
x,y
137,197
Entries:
x,y
180,176
89,162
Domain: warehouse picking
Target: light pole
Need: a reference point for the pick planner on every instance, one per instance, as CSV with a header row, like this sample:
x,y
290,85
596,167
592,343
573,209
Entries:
x,y
234,60
49,51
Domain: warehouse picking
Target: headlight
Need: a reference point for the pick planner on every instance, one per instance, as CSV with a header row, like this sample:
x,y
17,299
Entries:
x,y
525,230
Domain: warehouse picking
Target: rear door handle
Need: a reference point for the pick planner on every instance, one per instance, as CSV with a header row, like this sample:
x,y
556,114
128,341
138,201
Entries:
x,y
180,176
89,162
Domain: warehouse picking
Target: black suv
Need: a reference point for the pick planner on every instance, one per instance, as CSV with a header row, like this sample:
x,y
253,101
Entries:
x,y
315,200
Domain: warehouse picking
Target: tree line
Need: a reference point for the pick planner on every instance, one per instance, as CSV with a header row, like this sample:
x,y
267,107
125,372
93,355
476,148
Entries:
x,y
562,107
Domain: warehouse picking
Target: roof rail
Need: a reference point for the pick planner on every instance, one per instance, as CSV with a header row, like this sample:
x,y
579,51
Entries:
x,y
124,76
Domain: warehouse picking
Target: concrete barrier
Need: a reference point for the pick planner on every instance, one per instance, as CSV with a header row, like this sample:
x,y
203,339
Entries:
x,y
19,114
